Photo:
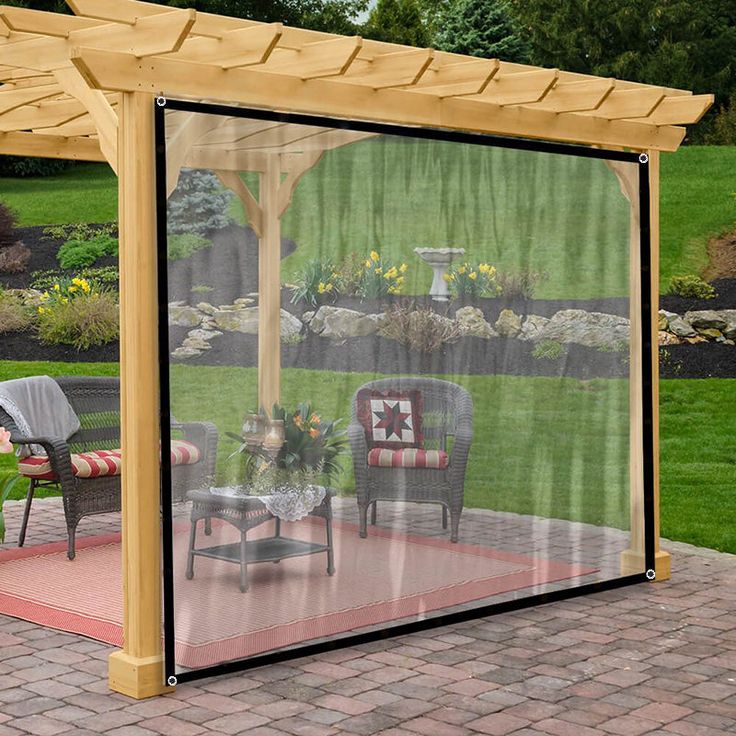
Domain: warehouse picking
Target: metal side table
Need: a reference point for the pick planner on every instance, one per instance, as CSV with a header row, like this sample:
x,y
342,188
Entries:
x,y
246,513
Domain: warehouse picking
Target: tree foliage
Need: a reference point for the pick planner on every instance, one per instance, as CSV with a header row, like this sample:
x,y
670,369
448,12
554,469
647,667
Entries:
x,y
397,21
334,16
484,28
674,43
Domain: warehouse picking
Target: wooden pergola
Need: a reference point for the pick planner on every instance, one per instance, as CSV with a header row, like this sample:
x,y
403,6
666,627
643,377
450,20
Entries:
x,y
82,87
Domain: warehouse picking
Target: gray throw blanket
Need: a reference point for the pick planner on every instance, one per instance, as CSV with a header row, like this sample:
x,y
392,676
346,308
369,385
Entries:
x,y
39,408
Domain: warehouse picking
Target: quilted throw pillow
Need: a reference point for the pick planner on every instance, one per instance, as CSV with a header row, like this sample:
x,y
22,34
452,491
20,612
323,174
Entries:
x,y
391,419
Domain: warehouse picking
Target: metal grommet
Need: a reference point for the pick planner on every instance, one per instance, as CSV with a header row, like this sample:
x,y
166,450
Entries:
x,y
161,101
171,681
643,158
651,574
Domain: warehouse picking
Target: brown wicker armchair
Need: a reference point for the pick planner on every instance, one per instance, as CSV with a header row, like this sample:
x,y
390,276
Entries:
x,y
448,412
96,401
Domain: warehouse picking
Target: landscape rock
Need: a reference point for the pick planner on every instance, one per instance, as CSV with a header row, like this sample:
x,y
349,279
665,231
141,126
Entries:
x,y
195,343
184,316
244,301
206,307
185,353
592,329
338,323
307,317
713,334
245,320
471,322
667,338
533,327
678,326
508,323
203,334
729,317
705,320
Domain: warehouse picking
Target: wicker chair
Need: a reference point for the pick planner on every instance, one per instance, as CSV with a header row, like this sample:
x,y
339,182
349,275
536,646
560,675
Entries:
x,y
448,412
96,401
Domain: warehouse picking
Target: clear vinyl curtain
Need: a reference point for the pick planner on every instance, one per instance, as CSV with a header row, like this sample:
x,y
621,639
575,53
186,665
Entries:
x,y
402,379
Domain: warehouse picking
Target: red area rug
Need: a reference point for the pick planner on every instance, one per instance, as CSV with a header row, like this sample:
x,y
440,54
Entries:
x,y
386,577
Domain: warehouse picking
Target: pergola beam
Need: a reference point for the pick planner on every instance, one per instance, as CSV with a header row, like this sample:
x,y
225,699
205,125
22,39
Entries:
x,y
241,47
575,96
99,109
122,72
315,60
465,78
681,110
50,146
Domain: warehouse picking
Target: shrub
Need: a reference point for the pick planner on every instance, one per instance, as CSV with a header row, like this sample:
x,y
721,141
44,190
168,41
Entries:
x,y
349,273
184,245
378,279
316,284
14,258
78,231
76,254
23,166
14,315
199,204
420,329
78,314
106,277
520,284
473,280
549,349
722,131
202,289
691,286
7,226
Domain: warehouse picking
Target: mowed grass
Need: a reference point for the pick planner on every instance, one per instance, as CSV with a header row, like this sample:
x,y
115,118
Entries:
x,y
83,193
515,209
551,447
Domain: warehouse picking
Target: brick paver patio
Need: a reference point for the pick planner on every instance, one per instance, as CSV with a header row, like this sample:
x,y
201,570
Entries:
x,y
649,659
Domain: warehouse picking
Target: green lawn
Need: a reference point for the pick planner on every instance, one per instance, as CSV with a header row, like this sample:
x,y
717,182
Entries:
x,y
536,209
555,447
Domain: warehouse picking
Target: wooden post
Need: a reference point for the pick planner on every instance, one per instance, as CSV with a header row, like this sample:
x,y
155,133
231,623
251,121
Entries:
x,y
269,287
633,558
662,559
137,670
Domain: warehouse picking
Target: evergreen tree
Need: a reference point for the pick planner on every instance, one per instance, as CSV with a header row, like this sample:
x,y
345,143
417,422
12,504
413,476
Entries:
x,y
397,21
484,28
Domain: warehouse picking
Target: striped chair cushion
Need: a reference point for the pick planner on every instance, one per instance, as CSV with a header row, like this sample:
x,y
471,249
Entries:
x,y
409,457
97,463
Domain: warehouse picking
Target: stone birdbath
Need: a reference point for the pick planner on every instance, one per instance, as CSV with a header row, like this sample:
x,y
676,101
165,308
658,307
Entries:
x,y
439,260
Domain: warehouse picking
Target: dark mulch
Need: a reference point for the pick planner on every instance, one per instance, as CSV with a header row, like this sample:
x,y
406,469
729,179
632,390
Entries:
x,y
229,267
23,346
705,360
43,257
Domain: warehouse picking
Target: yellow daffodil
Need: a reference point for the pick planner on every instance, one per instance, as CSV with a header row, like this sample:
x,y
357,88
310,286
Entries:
x,y
57,287
368,263
379,270
328,287
484,268
41,310
72,289
375,257
462,270
321,287
403,268
85,287
64,300
45,296
473,275
400,281
448,277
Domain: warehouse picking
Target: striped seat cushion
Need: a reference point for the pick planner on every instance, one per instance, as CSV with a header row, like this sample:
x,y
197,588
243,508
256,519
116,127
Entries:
x,y
97,463
408,457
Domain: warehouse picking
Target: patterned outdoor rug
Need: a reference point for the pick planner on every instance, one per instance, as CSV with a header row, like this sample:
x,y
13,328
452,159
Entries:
x,y
386,577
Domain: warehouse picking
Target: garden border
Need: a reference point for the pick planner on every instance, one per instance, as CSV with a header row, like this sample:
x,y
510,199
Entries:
x,y
161,104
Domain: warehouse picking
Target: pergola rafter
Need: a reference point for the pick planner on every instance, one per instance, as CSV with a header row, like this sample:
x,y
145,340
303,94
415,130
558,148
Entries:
x,y
82,87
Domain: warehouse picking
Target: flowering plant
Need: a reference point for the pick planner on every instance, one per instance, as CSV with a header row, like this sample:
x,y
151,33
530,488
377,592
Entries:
x,y
315,284
311,444
473,279
377,278
6,447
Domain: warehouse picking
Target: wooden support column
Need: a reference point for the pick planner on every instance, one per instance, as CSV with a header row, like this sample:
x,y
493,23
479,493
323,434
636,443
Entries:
x,y
269,287
662,558
633,559
137,669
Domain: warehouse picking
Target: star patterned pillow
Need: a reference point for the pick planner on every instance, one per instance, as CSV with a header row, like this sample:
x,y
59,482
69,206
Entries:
x,y
390,418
